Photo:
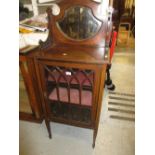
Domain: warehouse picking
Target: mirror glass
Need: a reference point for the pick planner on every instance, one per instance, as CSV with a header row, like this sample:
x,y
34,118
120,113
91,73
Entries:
x,y
79,23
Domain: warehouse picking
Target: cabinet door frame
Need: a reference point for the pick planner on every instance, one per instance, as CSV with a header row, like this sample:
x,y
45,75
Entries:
x,y
94,67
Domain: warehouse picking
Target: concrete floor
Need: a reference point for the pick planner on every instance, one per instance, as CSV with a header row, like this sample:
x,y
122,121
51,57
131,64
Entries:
x,y
115,136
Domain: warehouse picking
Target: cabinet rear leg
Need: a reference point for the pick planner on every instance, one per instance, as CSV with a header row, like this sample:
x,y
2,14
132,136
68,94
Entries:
x,y
108,81
47,122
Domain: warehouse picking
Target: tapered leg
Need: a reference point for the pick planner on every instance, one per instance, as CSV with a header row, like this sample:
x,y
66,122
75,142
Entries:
x,y
94,138
47,122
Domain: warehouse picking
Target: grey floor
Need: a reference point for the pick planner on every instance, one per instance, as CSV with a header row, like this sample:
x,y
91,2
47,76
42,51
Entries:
x,y
115,136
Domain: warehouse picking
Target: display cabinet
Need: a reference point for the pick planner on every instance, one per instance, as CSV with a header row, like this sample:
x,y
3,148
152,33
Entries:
x,y
71,64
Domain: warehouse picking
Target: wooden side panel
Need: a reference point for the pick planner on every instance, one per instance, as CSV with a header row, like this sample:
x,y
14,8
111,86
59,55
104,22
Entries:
x,y
28,73
99,100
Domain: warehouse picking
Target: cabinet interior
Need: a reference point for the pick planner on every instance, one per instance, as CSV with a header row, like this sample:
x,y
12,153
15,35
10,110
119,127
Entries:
x,y
70,93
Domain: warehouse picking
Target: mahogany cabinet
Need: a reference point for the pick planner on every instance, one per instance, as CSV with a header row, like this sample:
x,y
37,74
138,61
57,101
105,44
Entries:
x,y
29,102
72,92
70,65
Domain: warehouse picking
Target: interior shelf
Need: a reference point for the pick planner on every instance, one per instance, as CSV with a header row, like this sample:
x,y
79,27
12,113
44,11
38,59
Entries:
x,y
86,96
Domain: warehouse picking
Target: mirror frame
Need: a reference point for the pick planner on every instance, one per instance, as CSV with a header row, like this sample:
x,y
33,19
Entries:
x,y
58,38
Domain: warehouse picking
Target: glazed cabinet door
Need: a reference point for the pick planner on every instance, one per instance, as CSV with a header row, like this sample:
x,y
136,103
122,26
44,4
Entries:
x,y
70,92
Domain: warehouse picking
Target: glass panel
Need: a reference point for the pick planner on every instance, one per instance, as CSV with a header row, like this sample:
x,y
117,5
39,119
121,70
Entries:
x,y
24,105
70,92
79,23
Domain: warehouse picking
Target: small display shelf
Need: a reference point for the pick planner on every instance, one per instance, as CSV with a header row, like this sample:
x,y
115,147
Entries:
x,y
74,96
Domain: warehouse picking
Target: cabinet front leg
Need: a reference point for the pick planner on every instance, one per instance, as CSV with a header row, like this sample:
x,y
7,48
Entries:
x,y
47,122
94,138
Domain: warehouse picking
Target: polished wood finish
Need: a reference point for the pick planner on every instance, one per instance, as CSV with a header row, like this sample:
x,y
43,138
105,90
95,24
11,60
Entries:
x,y
30,82
84,56
55,35
29,117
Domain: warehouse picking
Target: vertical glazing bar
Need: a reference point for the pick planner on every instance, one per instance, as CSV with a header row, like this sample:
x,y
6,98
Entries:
x,y
80,93
68,90
74,77
57,90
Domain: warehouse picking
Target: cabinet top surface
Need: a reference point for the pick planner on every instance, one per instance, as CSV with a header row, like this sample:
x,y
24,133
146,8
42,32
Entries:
x,y
72,54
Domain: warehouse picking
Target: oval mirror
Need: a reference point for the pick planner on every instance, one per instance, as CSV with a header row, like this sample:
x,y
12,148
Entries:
x,y
79,23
